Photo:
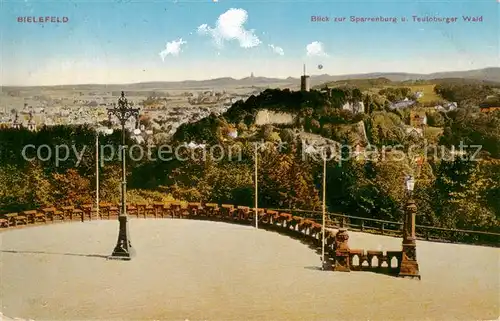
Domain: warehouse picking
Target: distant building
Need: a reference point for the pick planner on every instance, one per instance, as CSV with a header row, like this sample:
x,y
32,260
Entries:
x,y
419,94
355,107
418,119
16,124
402,104
447,107
414,131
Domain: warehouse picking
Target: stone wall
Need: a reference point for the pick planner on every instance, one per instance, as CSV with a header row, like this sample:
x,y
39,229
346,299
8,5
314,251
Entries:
x,y
269,117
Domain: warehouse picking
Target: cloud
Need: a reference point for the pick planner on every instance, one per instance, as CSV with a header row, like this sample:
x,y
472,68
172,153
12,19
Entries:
x,y
230,26
172,48
277,50
316,48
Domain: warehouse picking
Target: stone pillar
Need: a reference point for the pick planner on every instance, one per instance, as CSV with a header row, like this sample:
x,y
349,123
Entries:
x,y
342,251
409,264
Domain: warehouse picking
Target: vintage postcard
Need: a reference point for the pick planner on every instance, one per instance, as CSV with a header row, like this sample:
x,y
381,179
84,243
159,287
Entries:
x,y
249,160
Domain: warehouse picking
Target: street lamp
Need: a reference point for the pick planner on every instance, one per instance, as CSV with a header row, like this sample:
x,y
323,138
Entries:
x,y
410,185
123,249
326,154
409,265
99,131
256,164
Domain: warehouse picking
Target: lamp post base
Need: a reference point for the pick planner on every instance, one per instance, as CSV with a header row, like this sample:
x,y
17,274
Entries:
x,y
409,265
123,249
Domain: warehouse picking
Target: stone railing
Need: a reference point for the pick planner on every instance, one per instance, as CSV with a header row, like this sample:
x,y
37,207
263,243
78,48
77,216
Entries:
x,y
392,228
338,256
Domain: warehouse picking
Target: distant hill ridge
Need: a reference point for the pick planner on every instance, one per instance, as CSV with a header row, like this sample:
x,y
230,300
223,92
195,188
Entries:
x,y
491,74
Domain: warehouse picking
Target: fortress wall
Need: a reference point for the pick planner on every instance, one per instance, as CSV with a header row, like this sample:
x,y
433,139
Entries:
x,y
265,117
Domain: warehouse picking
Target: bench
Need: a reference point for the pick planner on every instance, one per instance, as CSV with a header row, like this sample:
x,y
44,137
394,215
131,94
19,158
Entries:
x,y
159,209
4,222
176,209
14,219
114,211
141,209
78,213
104,210
211,209
149,211
194,208
67,212
31,216
49,212
226,211
88,210
132,210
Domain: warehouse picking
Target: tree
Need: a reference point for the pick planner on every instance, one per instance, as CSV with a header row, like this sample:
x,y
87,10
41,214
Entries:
x,y
71,189
435,119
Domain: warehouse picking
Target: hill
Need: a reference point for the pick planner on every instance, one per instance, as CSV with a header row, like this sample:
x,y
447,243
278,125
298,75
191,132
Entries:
x,y
487,74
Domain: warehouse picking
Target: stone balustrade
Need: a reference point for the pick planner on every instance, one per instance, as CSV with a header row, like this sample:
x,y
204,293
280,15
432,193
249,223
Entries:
x,y
337,251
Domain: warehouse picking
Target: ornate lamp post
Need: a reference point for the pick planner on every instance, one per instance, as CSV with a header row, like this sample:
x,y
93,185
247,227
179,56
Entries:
x,y
123,249
409,264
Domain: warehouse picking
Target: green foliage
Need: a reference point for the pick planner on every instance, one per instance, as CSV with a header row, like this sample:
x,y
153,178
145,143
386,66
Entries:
x,y
286,182
468,93
395,94
23,188
435,119
287,135
469,128
385,128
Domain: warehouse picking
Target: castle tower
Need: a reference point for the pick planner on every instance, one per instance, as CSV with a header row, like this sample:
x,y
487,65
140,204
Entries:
x,y
305,81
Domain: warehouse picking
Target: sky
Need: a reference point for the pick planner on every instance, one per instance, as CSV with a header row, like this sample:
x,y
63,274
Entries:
x,y
130,41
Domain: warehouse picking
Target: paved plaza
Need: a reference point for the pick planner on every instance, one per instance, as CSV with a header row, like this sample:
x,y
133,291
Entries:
x,y
196,270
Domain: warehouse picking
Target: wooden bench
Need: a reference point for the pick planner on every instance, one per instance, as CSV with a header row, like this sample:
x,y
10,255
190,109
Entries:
x,y
58,214
176,208
15,219
31,216
132,210
141,209
49,212
104,210
67,212
114,211
194,208
40,217
76,212
211,209
150,211
243,213
226,211
167,210
4,222
159,209
88,211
